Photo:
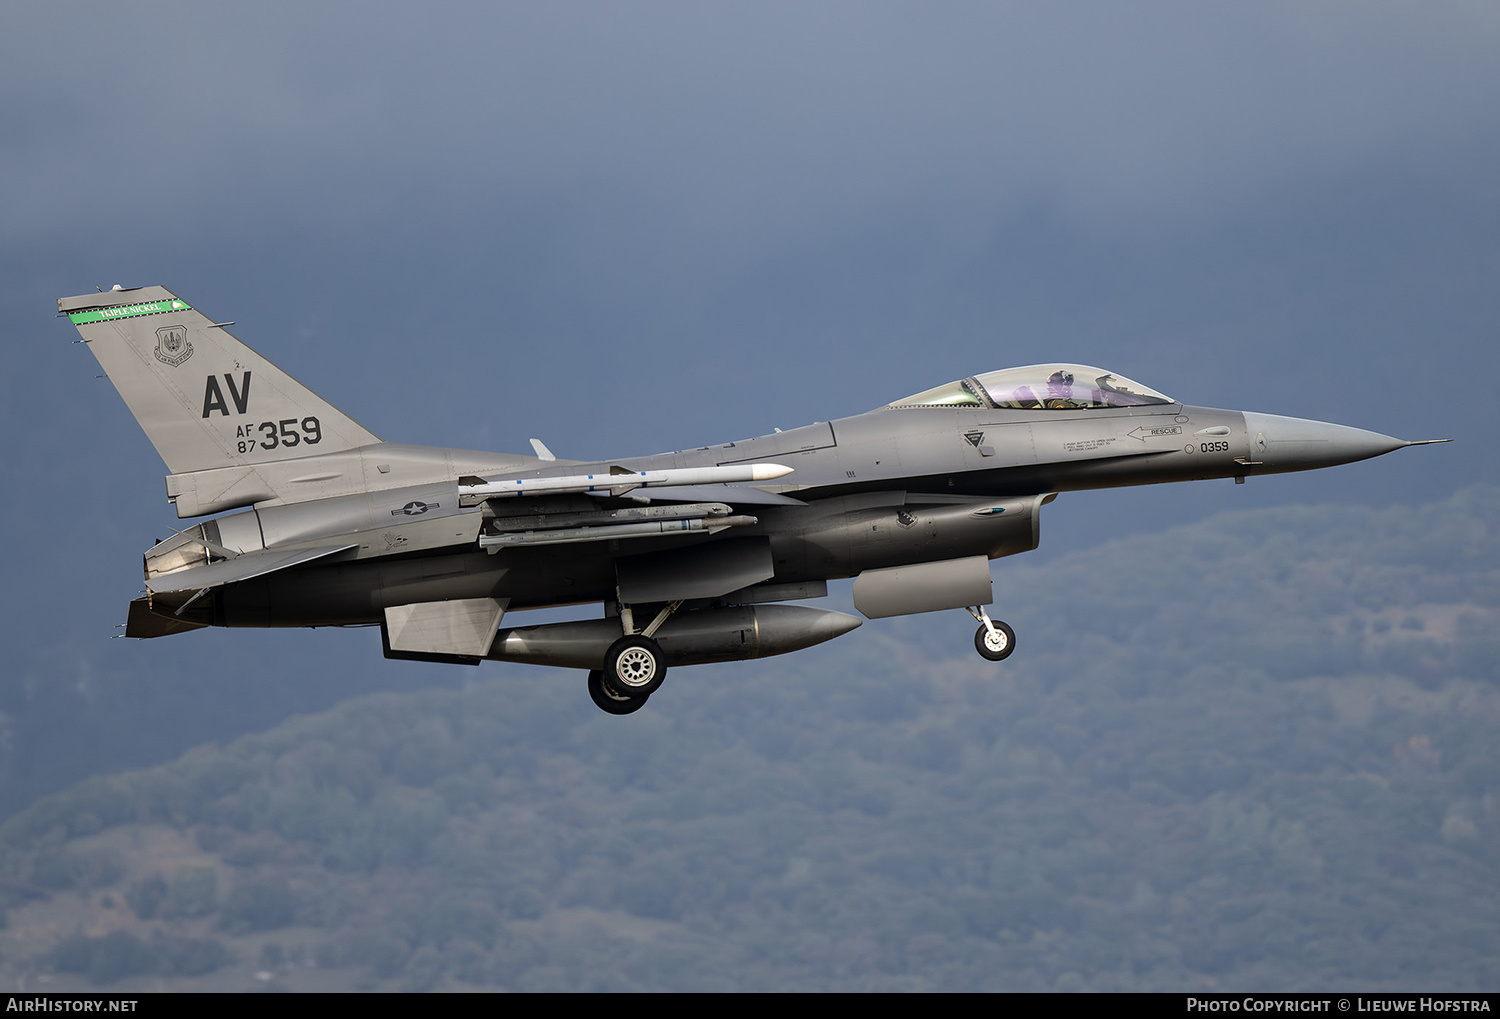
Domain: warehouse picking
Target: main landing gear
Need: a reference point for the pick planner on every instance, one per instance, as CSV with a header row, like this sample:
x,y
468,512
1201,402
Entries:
x,y
633,667
993,640
610,699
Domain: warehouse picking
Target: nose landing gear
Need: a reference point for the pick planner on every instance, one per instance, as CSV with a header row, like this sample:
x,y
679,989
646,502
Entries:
x,y
993,640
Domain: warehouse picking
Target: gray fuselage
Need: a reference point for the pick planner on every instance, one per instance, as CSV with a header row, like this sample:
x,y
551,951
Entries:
x,y
890,487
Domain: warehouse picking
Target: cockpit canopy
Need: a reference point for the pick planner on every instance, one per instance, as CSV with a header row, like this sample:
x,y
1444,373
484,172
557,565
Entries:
x,y
1039,387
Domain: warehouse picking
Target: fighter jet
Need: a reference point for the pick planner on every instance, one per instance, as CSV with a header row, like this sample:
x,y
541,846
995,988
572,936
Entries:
x,y
691,555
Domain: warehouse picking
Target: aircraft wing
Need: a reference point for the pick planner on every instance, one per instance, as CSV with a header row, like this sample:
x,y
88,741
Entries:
x,y
241,567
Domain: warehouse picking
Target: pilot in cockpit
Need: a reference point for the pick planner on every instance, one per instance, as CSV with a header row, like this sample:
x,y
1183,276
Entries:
x,y
1039,387
1059,391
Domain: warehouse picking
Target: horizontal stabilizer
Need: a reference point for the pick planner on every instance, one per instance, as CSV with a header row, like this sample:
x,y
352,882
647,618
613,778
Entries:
x,y
242,567
144,623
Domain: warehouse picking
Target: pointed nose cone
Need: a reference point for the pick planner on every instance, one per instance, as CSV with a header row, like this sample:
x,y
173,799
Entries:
x,y
1295,444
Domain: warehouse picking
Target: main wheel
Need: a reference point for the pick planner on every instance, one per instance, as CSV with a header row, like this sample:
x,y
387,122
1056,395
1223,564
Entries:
x,y
635,665
997,646
611,700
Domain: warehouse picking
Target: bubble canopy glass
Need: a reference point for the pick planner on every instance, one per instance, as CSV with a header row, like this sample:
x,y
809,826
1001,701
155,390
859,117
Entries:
x,y
1039,387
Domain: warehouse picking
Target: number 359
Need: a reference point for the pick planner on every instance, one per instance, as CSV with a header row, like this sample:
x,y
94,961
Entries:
x,y
287,432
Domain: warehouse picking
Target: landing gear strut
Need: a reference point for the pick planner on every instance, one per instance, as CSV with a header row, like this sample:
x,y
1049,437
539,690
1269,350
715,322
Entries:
x,y
993,640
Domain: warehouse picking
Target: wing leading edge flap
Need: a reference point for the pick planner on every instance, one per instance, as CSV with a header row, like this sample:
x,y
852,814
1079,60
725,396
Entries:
x,y
241,567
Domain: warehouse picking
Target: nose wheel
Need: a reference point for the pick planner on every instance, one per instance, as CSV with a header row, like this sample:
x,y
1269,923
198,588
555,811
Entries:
x,y
994,639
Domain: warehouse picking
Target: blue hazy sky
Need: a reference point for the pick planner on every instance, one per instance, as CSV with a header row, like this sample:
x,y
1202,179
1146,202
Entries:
x,y
633,227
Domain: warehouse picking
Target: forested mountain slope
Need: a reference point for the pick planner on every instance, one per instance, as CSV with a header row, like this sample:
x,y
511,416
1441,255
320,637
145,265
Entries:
x,y
1255,753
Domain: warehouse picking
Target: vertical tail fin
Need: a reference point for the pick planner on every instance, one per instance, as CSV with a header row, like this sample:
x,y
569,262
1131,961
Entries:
x,y
204,399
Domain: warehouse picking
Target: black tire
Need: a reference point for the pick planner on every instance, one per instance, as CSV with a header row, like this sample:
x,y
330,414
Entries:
x,y
999,649
635,666
611,700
